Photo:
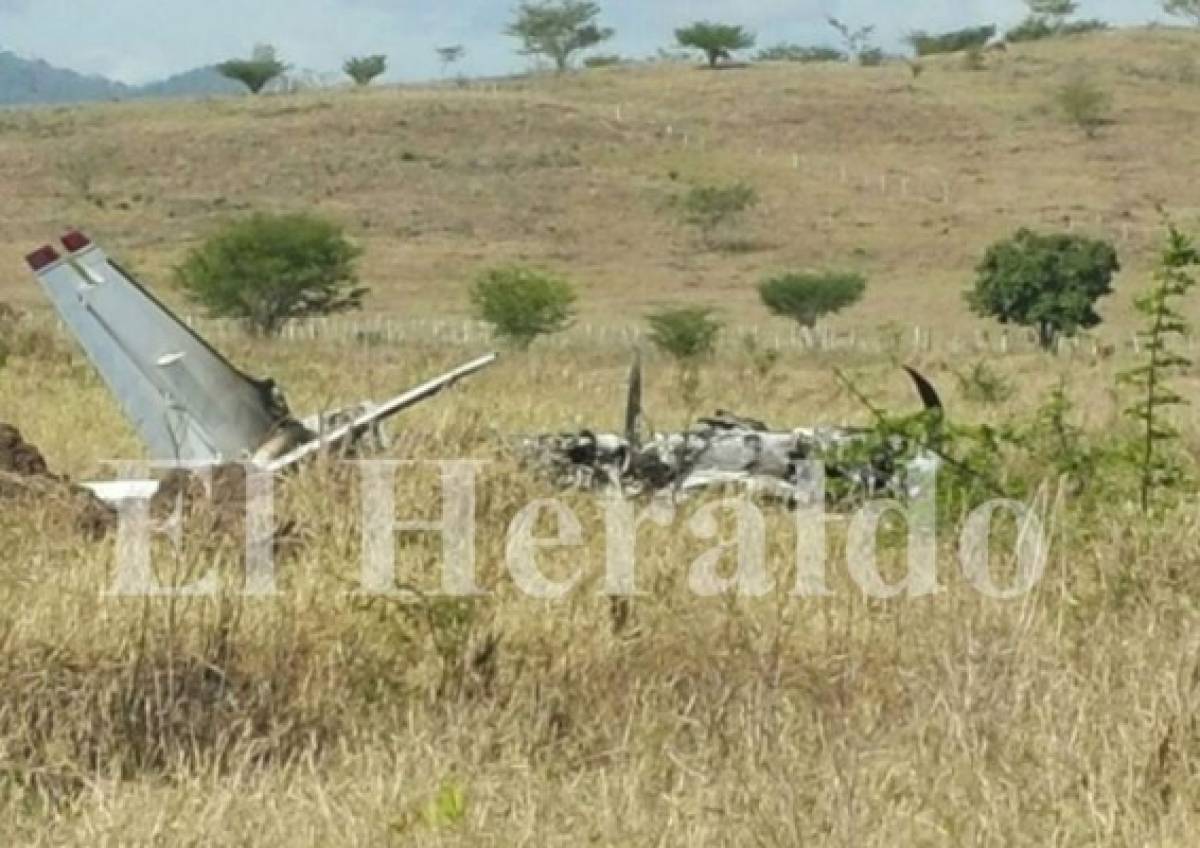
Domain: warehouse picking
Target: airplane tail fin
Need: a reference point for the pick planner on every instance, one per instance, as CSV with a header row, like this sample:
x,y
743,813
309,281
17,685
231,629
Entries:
x,y
187,402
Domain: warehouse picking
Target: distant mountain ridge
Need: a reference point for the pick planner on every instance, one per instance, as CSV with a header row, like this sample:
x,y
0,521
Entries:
x,y
31,81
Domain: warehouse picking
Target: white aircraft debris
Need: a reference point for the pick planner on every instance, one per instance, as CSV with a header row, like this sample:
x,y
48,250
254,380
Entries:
x,y
728,450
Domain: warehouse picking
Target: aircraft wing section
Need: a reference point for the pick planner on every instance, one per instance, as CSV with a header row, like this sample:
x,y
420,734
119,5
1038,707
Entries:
x,y
364,422
185,400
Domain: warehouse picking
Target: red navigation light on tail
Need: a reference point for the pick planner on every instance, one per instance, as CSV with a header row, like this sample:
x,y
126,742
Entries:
x,y
75,241
42,257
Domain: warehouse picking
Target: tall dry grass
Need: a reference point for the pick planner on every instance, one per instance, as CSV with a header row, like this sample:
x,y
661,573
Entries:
x,y
319,716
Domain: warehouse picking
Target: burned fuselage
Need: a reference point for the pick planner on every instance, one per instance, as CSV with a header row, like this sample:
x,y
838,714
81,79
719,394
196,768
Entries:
x,y
729,450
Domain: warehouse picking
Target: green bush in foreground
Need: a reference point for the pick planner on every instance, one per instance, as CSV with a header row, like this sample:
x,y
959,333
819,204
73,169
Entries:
x,y
268,270
807,297
522,304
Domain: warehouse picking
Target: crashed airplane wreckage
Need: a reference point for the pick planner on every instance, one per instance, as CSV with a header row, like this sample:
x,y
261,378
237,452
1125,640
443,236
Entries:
x,y
189,405
728,450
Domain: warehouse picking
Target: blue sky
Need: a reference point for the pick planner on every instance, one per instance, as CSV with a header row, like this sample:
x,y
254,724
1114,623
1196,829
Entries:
x,y
140,40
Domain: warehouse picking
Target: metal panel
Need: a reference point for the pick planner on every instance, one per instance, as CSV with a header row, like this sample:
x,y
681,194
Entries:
x,y
185,400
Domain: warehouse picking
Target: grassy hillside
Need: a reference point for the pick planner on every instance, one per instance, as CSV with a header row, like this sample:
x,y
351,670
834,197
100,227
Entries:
x,y
907,180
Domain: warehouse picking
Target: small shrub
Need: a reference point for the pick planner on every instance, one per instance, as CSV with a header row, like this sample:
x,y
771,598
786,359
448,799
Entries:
x,y
1082,27
604,60
1036,28
806,298
800,53
364,69
711,208
689,336
1084,104
522,304
1048,282
686,335
983,385
951,42
762,359
257,71
269,270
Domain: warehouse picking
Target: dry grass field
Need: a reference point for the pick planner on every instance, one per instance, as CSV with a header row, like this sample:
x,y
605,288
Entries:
x,y
321,717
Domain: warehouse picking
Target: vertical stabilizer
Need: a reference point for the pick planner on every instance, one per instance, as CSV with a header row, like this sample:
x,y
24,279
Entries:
x,y
185,400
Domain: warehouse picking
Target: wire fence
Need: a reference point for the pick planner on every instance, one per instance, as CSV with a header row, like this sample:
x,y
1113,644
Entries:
x,y
383,330
388,331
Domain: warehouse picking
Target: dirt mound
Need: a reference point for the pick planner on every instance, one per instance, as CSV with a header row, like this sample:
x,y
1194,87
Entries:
x,y
19,457
212,505
25,475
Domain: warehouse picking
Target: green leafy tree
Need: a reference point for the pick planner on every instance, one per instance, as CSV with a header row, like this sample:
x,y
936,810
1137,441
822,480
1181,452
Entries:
x,y
364,69
1048,282
1173,279
522,304
256,72
1084,104
807,297
715,41
269,270
710,208
1189,9
558,29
